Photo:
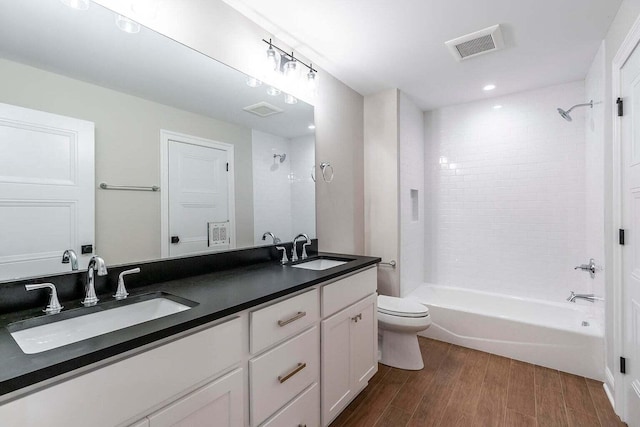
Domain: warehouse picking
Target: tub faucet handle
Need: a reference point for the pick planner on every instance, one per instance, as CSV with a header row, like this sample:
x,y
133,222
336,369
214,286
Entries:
x,y
591,268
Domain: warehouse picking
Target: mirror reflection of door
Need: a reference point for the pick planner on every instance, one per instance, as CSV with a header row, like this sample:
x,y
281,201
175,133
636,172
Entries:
x,y
200,195
46,190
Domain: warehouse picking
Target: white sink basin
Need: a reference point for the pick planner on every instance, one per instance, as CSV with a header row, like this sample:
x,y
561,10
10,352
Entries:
x,y
319,264
56,334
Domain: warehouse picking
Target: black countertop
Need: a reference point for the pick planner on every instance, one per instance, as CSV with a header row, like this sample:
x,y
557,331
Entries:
x,y
217,294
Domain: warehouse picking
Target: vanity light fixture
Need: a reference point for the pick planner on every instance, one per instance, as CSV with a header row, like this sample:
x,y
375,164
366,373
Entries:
x,y
290,99
489,87
77,4
127,25
280,61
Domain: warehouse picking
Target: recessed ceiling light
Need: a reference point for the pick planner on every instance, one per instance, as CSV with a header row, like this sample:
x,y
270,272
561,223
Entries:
x,y
489,87
497,107
312,127
273,91
290,99
127,25
77,4
253,82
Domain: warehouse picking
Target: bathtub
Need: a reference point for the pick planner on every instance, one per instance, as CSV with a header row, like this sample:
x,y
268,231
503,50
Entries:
x,y
558,335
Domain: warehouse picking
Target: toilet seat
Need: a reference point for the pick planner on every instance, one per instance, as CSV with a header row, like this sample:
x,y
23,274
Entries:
x,y
401,307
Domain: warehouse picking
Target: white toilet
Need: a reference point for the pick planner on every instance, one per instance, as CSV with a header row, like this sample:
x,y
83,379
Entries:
x,y
399,321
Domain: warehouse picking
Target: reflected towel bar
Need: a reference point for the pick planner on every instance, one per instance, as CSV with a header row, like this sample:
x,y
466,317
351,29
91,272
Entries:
x,y
106,186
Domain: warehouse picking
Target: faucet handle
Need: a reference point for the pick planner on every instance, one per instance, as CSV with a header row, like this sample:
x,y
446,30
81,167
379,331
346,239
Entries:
x,y
304,249
284,259
54,306
121,292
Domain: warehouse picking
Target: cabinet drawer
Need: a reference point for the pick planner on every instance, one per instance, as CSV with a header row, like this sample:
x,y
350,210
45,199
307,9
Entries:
x,y
303,411
344,292
280,374
273,324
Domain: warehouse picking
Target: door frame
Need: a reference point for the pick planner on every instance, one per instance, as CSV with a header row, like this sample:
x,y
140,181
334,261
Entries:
x,y
631,41
165,137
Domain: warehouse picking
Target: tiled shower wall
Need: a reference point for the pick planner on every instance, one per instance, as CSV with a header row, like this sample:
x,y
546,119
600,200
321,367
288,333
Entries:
x,y
505,194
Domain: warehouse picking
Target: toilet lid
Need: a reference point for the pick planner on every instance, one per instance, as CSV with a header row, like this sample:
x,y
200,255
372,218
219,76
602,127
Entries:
x,y
401,307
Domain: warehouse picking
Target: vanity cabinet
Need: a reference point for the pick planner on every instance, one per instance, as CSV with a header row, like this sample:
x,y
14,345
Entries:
x,y
349,344
221,400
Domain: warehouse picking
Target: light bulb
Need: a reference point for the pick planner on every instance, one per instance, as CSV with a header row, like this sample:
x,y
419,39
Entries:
x,y
77,4
127,25
291,69
312,81
290,99
273,59
253,82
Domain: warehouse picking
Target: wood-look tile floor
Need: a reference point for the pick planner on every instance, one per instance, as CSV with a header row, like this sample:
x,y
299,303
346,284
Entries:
x,y
463,387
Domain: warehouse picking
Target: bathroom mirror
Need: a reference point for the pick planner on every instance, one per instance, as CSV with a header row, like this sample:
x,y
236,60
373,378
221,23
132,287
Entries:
x,y
164,116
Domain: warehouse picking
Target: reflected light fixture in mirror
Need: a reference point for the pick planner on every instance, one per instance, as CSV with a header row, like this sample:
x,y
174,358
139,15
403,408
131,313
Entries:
x,y
311,126
253,82
273,91
127,25
77,4
290,99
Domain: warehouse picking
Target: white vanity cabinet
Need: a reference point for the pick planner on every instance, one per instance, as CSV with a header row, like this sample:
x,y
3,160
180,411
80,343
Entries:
x,y
349,341
118,393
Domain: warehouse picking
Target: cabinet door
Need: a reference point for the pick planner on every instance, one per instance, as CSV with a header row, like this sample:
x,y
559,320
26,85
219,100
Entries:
x,y
336,365
364,342
217,404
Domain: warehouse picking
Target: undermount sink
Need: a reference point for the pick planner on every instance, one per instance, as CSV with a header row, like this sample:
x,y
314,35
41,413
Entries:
x,y
320,264
47,336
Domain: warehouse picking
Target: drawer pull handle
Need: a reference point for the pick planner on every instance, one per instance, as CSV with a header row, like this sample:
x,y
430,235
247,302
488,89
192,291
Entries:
x,y
298,368
357,317
299,315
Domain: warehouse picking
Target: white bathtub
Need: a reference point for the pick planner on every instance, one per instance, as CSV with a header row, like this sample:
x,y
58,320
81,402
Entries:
x,y
543,333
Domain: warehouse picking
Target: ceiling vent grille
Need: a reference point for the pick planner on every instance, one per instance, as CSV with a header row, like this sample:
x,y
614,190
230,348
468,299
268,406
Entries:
x,y
262,109
478,43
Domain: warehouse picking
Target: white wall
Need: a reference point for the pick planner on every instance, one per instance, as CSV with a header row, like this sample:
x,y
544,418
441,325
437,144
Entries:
x,y
271,187
594,177
217,30
507,194
303,188
411,127
382,237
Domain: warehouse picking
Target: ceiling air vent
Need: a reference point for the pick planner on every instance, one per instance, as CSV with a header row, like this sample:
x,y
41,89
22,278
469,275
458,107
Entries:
x,y
474,44
262,109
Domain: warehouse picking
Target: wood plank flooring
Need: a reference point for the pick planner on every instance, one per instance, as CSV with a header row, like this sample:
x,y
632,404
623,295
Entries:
x,y
463,387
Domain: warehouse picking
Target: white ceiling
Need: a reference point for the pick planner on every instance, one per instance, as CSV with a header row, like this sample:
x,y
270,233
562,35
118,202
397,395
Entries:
x,y
87,45
373,45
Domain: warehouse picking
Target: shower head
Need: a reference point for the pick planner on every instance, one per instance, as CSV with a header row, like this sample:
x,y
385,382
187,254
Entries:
x,y
566,114
282,156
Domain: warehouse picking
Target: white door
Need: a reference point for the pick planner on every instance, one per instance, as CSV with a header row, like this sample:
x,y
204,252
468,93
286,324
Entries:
x,y
46,191
200,197
630,155
218,404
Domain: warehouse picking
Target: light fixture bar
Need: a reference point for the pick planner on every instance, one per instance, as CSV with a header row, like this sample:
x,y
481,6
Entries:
x,y
290,55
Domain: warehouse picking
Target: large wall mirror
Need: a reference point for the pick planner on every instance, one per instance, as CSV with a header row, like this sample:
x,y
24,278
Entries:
x,y
85,103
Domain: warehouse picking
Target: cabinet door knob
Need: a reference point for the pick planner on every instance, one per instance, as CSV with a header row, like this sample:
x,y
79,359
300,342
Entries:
x,y
300,367
357,317
297,316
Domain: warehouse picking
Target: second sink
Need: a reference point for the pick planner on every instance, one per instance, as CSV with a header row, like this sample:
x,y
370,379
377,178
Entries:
x,y
320,264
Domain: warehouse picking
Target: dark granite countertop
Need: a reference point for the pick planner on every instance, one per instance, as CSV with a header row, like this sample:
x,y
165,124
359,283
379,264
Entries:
x,y
217,294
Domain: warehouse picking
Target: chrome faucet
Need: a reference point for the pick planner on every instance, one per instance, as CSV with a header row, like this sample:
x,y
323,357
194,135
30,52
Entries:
x,y
589,297
121,292
54,306
294,252
70,256
95,264
273,237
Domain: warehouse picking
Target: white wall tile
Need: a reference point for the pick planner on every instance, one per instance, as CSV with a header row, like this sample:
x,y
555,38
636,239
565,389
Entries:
x,y
506,199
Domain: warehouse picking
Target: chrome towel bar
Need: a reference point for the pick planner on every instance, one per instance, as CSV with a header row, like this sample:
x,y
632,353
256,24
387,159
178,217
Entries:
x,y
106,186
391,263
